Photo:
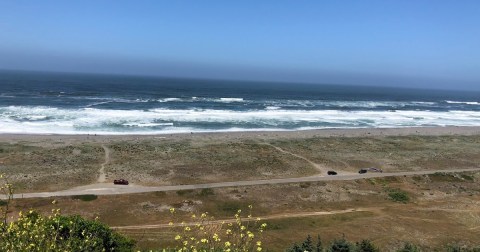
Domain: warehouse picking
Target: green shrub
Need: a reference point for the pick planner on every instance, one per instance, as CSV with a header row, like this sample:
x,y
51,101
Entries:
x,y
206,192
184,192
34,232
398,195
409,247
366,246
341,245
86,197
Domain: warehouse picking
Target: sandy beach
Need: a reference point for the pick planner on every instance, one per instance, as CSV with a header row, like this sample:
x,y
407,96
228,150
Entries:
x,y
421,131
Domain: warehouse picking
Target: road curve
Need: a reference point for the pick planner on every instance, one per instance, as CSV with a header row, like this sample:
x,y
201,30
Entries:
x,y
110,189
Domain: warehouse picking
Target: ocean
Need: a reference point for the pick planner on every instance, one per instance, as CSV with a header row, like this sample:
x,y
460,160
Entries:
x,y
60,103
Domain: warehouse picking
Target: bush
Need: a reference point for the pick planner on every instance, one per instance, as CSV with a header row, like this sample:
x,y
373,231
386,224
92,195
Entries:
x,y
33,232
409,247
398,195
341,245
86,197
206,192
366,246
307,245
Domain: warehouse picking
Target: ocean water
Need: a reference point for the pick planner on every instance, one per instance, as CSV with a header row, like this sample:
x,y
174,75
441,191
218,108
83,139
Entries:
x,y
53,103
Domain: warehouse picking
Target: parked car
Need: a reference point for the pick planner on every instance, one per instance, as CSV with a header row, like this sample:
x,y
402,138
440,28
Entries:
x,y
362,171
120,182
331,172
375,169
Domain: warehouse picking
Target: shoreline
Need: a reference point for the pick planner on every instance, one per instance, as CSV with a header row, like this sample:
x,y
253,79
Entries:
x,y
358,132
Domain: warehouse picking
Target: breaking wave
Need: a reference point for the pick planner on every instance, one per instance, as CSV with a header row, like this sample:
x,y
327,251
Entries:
x,y
49,120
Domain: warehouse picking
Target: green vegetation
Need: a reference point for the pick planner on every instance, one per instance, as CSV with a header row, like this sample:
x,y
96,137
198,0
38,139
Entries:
x,y
86,197
32,231
184,192
398,195
206,192
337,245
409,247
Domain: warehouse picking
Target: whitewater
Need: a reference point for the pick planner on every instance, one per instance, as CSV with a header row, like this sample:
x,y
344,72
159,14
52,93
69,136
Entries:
x,y
48,103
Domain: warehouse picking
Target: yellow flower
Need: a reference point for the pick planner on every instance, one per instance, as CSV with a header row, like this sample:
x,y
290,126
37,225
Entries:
x,y
187,229
215,237
259,249
172,210
204,240
227,244
250,206
170,223
177,237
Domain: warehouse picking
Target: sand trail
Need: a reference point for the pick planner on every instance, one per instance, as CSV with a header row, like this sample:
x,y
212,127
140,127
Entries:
x,y
262,218
101,173
318,167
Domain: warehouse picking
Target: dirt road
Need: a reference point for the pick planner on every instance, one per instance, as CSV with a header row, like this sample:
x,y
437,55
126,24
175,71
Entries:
x,y
262,218
110,189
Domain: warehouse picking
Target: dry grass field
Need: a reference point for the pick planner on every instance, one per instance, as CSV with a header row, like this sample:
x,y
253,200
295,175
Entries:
x,y
440,209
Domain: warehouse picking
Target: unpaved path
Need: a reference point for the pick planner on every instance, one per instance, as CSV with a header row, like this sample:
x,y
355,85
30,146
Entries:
x,y
267,217
110,189
101,173
318,167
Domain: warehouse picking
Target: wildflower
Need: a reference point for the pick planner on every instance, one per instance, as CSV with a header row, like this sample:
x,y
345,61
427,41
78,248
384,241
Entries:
x,y
215,237
264,225
177,237
259,248
204,240
259,243
172,210
227,244
250,206
187,229
170,223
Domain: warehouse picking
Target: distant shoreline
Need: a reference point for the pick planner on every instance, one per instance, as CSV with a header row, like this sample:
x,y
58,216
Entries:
x,y
359,132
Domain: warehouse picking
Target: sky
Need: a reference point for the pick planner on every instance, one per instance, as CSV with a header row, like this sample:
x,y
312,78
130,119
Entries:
x,y
410,43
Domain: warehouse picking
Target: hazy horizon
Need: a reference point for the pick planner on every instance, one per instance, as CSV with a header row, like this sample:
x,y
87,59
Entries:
x,y
412,44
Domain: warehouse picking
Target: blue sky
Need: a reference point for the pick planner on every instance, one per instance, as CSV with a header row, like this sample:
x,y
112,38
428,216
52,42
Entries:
x,y
394,43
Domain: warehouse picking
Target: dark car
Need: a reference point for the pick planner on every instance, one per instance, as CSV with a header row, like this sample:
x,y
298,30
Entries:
x,y
120,182
331,172
362,171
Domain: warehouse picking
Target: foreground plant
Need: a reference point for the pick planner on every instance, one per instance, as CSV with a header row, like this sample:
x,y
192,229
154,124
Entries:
x,y
31,231
204,233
